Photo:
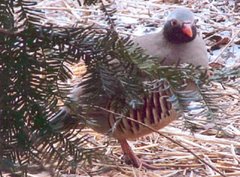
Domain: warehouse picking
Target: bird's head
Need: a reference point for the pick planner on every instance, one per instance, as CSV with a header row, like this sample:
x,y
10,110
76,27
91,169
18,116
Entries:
x,y
180,26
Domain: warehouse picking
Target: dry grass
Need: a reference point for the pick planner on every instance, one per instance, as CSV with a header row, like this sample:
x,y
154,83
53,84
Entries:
x,y
220,149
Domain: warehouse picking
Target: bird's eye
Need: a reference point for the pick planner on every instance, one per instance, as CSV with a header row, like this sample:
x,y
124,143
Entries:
x,y
174,23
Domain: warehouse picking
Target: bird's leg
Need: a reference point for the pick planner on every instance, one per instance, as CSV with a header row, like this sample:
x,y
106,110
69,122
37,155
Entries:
x,y
129,154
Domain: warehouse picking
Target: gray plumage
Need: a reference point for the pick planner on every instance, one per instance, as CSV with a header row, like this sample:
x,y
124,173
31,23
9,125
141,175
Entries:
x,y
193,52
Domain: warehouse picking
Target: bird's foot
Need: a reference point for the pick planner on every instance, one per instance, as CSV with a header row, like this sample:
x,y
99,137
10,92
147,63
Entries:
x,y
138,163
131,158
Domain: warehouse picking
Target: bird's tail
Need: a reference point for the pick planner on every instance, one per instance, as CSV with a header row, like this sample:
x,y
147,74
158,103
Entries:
x,y
64,119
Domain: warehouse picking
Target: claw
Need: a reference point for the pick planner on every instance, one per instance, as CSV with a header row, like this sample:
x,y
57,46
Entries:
x,y
133,159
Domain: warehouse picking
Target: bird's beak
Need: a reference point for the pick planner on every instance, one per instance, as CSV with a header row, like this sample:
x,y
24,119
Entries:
x,y
187,29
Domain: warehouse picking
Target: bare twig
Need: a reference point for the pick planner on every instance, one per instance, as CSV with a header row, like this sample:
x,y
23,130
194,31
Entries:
x,y
167,137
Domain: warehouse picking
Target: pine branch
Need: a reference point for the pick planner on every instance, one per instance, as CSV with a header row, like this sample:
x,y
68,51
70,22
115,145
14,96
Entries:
x,y
34,63
35,66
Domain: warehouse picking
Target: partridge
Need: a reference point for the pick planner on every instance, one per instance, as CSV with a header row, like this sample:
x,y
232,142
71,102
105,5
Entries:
x,y
177,42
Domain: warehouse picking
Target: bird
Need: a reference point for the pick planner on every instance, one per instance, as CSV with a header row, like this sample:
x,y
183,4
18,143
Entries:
x,y
178,41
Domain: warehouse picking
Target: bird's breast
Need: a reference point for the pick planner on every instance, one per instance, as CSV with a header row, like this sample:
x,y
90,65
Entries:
x,y
194,52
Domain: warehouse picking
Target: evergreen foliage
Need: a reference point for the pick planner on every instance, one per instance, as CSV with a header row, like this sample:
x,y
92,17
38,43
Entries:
x,y
34,68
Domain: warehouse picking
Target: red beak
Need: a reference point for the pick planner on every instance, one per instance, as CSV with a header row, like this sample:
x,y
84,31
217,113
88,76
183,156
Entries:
x,y
187,29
